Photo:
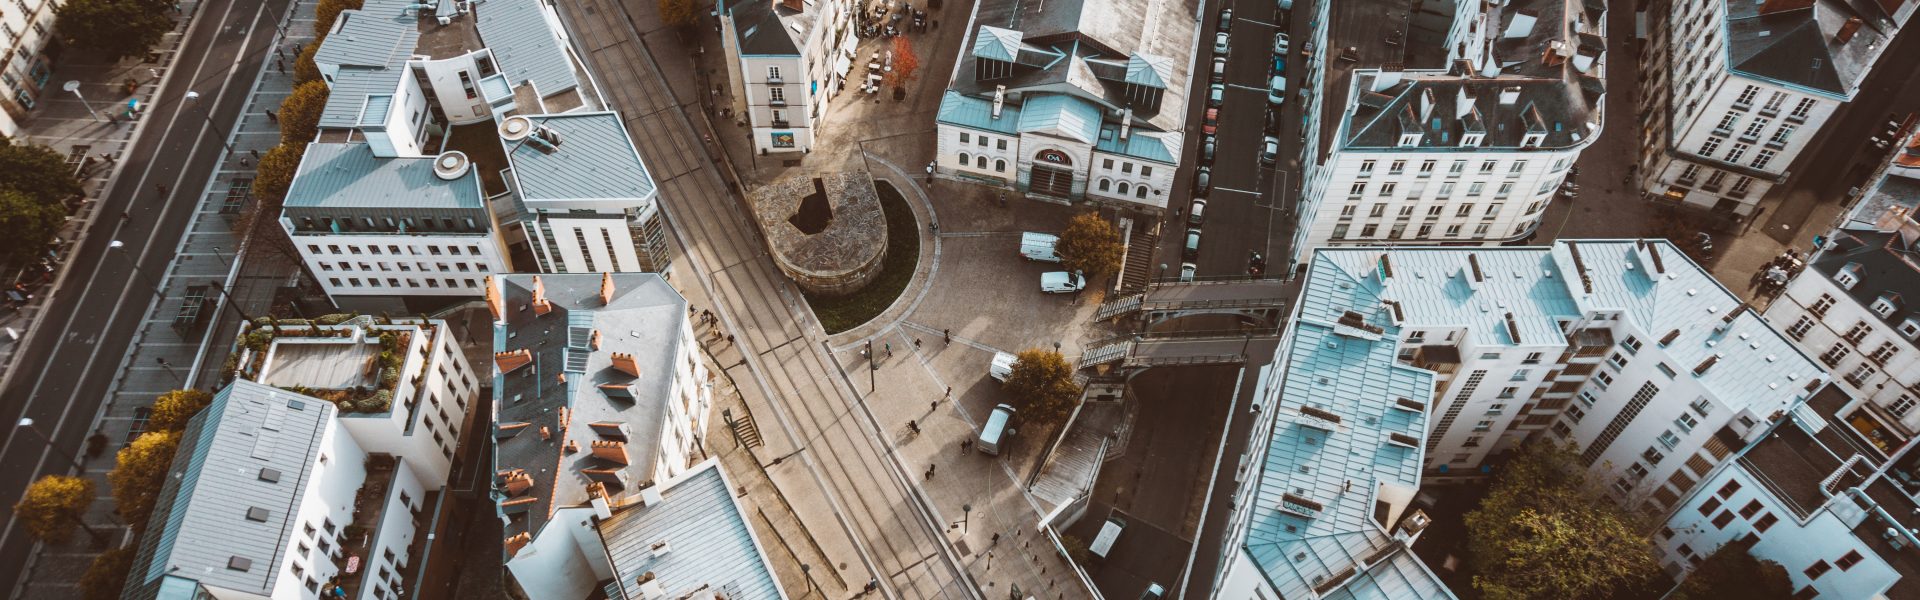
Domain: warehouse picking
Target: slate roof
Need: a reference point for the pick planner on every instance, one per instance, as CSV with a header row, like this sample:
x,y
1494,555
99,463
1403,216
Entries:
x,y
1794,41
595,160
525,46
645,320
1892,193
1358,379
349,175
1103,51
709,540
762,28
199,520
1060,115
1888,264
347,98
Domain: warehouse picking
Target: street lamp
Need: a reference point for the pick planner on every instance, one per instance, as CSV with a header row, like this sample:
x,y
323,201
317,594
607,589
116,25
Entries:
x,y
169,367
27,424
194,97
122,247
222,257
74,86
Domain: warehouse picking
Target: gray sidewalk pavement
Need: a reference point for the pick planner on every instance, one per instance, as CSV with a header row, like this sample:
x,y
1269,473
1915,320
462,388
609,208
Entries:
x,y
209,253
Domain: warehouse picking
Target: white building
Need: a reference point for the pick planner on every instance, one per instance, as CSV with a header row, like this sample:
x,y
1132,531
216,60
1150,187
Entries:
x,y
600,375
276,494
1854,308
786,59
1461,140
1735,90
1085,100
1814,497
26,27
585,201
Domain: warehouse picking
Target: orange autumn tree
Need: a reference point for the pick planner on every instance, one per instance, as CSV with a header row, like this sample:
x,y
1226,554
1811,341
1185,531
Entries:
x,y
905,62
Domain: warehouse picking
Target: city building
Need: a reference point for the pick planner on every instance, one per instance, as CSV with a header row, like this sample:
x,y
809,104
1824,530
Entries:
x,y
1813,496
387,202
1894,187
275,494
1438,127
1336,457
599,396
1853,307
1071,100
785,59
1734,91
25,69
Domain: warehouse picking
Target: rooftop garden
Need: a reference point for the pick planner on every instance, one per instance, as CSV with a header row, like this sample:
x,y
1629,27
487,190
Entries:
x,y
381,371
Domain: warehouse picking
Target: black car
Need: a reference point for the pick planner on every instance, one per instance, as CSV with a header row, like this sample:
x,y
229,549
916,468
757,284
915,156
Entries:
x,y
1273,123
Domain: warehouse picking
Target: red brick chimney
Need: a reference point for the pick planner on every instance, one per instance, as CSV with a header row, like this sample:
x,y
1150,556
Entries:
x,y
518,483
515,543
610,451
540,304
508,361
596,340
625,363
494,304
606,288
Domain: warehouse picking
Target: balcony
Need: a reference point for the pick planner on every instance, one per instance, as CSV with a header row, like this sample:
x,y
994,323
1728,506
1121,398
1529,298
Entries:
x,y
779,124
1444,360
1591,342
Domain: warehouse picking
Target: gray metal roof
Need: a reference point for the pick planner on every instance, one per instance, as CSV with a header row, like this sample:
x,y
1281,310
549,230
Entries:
x,y
199,521
968,111
1061,115
348,95
709,542
645,320
377,35
525,46
1797,43
1115,53
349,175
595,160
375,113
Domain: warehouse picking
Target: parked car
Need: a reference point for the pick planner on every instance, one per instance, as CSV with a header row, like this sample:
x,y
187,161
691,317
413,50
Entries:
x,y
1279,64
1226,19
1202,181
1187,270
1219,69
1277,90
1206,152
1039,247
1216,95
1273,122
1196,212
1220,44
1191,251
1002,366
995,431
1212,122
1280,45
1058,282
1269,148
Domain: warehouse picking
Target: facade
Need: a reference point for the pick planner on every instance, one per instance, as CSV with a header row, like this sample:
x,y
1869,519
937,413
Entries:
x,y
276,494
1814,497
1461,140
1853,308
1734,91
1084,101
787,58
600,375
586,203
26,29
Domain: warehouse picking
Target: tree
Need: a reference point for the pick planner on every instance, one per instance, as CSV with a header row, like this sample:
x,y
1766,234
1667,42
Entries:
x,y
172,409
300,113
1733,572
326,13
304,69
37,171
29,224
1090,245
678,13
905,62
140,473
53,505
1042,382
1545,531
107,575
114,28
275,173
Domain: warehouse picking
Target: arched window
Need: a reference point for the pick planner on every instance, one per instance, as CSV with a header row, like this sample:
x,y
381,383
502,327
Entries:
x,y
1140,192
1105,184
1123,188
1000,165
964,159
981,161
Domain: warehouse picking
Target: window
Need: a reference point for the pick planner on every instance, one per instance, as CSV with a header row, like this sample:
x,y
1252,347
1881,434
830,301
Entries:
x,y
1714,180
1666,370
1637,471
1801,110
1746,96
1707,508
1496,409
1521,375
965,137
1602,379
1740,186
1358,189
1618,360
1721,521
1760,161
1473,441
1902,405
1849,560
1766,522
1747,512
1800,328
1506,188
1690,173
1486,166
1729,489
1575,413
777,95
1367,230
1702,406
1820,567
1883,306
1781,135
1446,190
1820,306
1727,122
1426,168
1686,422
1738,152
1002,145
1483,425
1377,210
1000,166
1366,167
1709,147
1386,189
1834,355
1508,392
1856,333
1533,358
1475,189
1397,167
1653,455
1754,128
1668,439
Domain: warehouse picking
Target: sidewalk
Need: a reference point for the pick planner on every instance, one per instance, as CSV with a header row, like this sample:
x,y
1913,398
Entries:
x,y
208,252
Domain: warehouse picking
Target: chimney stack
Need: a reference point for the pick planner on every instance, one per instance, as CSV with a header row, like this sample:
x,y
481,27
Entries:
x,y
518,482
999,99
1847,30
595,342
597,496
625,363
540,304
515,543
606,288
495,304
508,361
1126,122
610,451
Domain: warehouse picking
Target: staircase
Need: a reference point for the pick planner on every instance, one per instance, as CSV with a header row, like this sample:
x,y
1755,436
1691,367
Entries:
x,y
1119,306
744,431
1138,270
1100,355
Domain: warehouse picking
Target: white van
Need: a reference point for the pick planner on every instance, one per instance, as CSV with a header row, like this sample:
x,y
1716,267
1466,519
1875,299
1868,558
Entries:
x,y
1039,247
1109,532
1002,366
995,430
1058,282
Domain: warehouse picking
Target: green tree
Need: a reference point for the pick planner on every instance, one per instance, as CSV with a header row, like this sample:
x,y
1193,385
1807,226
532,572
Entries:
x,y
1545,531
29,224
1042,383
1090,245
326,13
140,473
107,575
114,28
304,69
37,171
1733,572
172,409
300,113
53,505
678,13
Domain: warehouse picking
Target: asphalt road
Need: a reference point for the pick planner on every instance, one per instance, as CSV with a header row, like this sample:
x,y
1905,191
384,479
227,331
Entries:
x,y
73,352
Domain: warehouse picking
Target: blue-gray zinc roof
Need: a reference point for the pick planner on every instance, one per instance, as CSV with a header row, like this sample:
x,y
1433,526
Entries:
x,y
525,46
349,175
377,35
977,113
347,97
1060,115
1432,287
1141,144
595,160
710,545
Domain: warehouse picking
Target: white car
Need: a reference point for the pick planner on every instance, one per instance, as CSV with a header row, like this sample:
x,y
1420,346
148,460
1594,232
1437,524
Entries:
x,y
1002,366
1039,247
1220,44
1277,90
1187,270
1059,282
1280,43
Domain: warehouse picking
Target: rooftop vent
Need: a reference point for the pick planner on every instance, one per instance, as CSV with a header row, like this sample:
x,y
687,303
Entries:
x,y
1667,339
516,128
451,165
660,548
1409,404
650,496
1706,364
1300,506
1320,418
270,475
1401,439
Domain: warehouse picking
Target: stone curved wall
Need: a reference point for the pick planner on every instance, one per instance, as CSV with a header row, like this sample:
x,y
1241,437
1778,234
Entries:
x,y
843,257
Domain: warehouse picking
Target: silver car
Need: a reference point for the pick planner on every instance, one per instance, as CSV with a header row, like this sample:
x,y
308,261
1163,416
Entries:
x,y
1220,44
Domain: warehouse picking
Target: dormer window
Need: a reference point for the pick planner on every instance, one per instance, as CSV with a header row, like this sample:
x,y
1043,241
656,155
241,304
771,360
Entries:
x,y
1848,275
1910,328
1885,305
1409,139
1472,140
1533,140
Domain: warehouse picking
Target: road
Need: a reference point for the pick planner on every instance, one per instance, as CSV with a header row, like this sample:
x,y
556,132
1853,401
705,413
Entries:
x,y
74,353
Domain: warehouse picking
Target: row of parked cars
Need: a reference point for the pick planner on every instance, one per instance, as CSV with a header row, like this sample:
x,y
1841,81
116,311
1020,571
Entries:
x,y
1210,125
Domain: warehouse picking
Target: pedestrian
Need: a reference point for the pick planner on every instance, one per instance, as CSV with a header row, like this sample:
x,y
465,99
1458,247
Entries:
x,y
934,405
153,73
949,392
729,339
913,425
966,445
124,217
916,343
930,469
256,154
872,584
1003,199
889,349
946,335
272,118
996,540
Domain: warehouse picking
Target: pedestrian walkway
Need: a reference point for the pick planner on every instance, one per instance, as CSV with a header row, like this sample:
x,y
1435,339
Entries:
x,y
209,258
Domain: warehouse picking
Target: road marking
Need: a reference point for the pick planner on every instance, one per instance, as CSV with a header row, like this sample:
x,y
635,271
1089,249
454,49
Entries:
x,y
1249,192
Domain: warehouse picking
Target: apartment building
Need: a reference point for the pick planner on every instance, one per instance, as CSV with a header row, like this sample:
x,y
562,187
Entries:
x,y
599,375
586,203
1453,123
26,29
786,59
1813,496
1734,91
1850,308
1337,450
275,495
1085,100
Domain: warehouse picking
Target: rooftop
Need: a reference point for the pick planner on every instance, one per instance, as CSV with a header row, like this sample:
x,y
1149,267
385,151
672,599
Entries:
x,y
593,160
1794,463
695,538
1111,54
772,27
565,370
252,448
1824,45
526,46
348,175
1884,264
1893,196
